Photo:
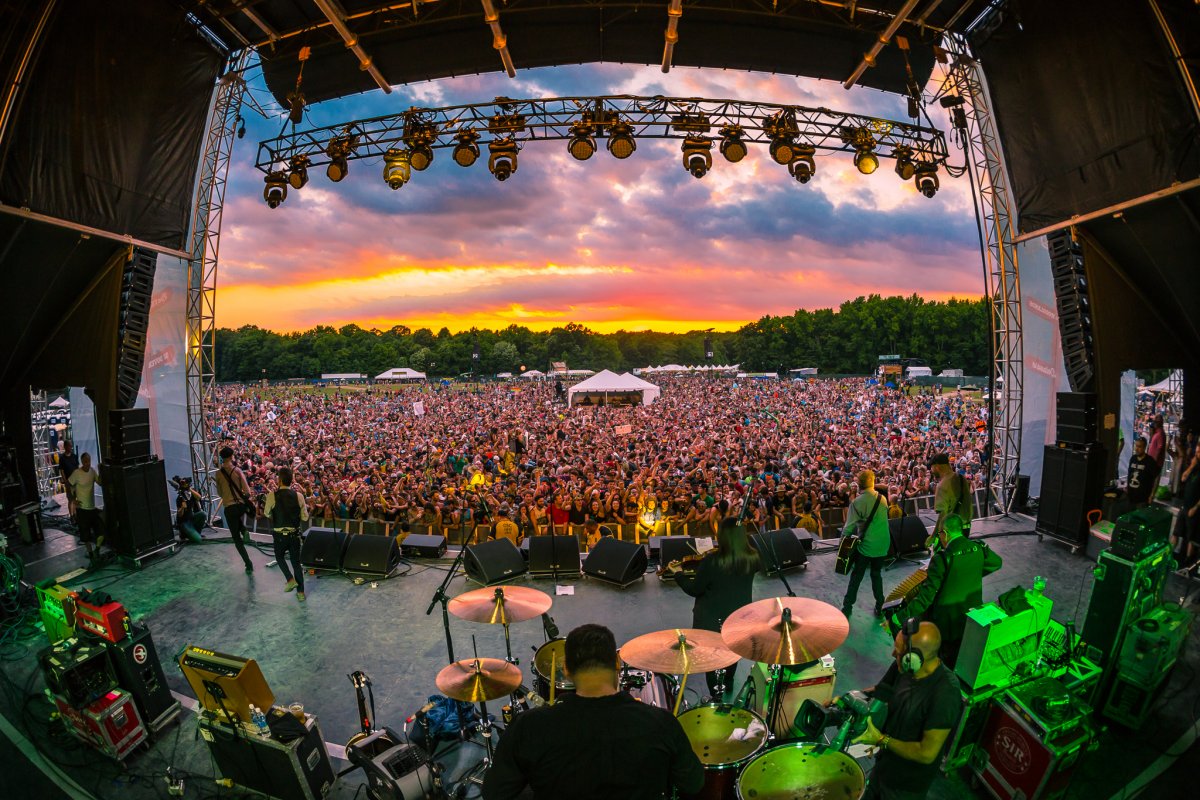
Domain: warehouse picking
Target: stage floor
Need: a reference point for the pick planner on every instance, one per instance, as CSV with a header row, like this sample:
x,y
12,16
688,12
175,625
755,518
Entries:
x,y
202,596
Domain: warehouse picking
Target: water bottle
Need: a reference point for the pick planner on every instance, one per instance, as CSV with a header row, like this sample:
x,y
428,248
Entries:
x,y
259,719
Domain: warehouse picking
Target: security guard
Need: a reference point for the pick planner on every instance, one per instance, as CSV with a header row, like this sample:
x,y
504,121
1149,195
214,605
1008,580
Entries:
x,y
954,585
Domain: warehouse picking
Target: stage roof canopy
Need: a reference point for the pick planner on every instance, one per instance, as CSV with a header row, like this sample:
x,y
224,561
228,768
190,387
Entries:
x,y
407,42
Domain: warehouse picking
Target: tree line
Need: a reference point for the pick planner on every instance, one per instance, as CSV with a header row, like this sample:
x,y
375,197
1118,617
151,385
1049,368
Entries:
x,y
946,335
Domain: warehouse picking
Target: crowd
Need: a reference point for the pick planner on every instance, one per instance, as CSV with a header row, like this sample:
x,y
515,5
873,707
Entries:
x,y
476,451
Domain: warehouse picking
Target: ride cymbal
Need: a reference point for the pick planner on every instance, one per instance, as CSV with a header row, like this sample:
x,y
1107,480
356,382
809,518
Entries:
x,y
498,605
785,630
476,679
677,651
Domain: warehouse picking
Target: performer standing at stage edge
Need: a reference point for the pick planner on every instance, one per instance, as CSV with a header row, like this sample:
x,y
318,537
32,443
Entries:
x,y
286,508
954,586
952,496
235,499
868,512
722,583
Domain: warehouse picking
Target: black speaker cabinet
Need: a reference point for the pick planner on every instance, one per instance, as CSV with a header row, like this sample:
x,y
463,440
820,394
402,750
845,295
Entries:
x,y
1072,485
908,535
371,555
779,550
494,561
1075,418
323,549
805,537
553,555
128,435
1125,590
139,672
673,548
615,561
297,770
419,545
138,508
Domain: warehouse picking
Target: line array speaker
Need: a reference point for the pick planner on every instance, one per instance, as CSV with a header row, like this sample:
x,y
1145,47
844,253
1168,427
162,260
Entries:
x,y
1074,309
137,286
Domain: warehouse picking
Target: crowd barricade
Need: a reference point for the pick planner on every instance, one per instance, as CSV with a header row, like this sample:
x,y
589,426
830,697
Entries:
x,y
832,522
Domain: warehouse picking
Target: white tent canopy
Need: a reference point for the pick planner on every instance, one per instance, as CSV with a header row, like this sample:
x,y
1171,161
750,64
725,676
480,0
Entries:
x,y
533,373
400,374
60,402
606,382
1174,379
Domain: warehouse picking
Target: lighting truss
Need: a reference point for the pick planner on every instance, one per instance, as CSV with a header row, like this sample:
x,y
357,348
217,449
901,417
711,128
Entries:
x,y
202,273
995,212
552,119
43,463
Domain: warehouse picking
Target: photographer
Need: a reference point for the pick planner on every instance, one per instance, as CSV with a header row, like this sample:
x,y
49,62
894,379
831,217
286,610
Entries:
x,y
923,705
189,516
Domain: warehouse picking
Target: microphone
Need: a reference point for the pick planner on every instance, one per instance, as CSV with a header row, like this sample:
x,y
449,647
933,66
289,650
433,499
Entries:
x,y
425,709
549,626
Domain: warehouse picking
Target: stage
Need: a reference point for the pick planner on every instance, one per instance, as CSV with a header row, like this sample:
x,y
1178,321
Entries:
x,y
201,596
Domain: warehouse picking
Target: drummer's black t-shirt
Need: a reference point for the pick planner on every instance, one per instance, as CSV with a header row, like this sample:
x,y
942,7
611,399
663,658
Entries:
x,y
913,707
594,748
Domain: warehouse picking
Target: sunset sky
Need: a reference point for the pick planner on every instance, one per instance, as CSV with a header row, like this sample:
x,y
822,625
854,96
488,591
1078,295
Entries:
x,y
611,244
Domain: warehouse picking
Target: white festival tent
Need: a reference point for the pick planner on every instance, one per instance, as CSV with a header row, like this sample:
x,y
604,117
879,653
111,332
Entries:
x,y
606,382
1165,385
60,402
533,373
400,374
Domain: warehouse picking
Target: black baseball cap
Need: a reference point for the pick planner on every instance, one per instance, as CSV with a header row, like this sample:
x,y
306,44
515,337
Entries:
x,y
940,458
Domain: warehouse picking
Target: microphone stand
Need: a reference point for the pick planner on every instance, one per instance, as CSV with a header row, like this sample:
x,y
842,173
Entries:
x,y
440,596
767,543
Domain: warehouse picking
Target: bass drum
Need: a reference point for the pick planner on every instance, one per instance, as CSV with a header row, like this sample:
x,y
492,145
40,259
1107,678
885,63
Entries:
x,y
799,770
551,659
723,737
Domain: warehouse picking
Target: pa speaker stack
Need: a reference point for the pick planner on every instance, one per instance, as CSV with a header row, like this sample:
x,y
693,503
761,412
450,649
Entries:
x,y
1072,471
138,509
1074,309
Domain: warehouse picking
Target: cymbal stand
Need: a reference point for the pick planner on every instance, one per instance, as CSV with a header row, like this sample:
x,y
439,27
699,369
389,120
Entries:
x,y
440,596
776,707
485,730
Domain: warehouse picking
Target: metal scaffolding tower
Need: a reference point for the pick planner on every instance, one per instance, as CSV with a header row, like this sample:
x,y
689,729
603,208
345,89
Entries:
x,y
985,160
202,269
43,463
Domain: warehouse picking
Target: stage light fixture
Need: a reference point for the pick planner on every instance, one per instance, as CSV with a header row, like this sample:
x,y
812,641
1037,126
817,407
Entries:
x,y
418,137
864,149
339,150
582,145
275,192
782,130
241,130
927,179
466,152
697,155
502,157
803,165
298,172
905,167
620,140
420,157
396,169
732,146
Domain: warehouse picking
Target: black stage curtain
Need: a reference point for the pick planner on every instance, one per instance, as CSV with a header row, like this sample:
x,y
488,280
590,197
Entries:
x,y
110,122
1091,107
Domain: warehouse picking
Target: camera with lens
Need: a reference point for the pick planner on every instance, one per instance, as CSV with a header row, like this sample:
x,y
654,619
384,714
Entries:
x,y
849,714
182,484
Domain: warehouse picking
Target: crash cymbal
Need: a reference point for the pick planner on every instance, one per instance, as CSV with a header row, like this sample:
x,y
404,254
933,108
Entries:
x,y
677,651
785,630
500,604
476,679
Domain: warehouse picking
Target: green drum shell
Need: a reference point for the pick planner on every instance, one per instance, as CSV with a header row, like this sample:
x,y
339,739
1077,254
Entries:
x,y
708,728
798,772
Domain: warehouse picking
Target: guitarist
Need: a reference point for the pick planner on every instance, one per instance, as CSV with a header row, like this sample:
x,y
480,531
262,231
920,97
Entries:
x,y
867,518
952,496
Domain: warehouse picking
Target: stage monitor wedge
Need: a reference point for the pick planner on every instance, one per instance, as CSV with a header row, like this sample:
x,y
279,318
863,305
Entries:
x,y
323,549
780,550
551,556
617,562
371,556
494,561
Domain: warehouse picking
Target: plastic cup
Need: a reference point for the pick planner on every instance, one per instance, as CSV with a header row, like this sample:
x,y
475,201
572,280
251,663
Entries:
x,y
297,710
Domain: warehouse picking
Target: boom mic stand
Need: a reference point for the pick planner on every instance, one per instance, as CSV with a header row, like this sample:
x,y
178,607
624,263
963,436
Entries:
x,y
770,546
440,596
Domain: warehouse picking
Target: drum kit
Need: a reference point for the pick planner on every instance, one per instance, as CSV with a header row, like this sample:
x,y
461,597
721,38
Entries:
x,y
738,747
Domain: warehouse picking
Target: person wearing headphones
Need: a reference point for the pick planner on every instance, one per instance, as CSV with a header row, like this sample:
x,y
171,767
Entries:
x,y
954,585
923,701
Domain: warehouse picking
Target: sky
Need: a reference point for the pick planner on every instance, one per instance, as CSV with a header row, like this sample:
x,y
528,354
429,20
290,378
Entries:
x,y
612,244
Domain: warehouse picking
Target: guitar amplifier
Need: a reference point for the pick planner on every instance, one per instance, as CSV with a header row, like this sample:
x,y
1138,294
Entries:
x,y
108,621
79,671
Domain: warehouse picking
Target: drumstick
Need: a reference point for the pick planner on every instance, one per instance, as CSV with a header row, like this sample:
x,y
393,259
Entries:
x,y
553,673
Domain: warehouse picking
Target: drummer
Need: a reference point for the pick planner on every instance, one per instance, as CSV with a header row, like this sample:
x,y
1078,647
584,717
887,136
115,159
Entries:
x,y
597,744
722,583
923,706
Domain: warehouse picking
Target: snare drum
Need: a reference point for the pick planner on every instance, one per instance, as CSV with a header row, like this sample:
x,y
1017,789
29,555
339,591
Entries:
x,y
649,687
554,651
801,770
723,738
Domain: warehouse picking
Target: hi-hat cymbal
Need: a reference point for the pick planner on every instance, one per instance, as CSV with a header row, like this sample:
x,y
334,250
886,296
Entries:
x,y
476,679
785,630
500,604
677,651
